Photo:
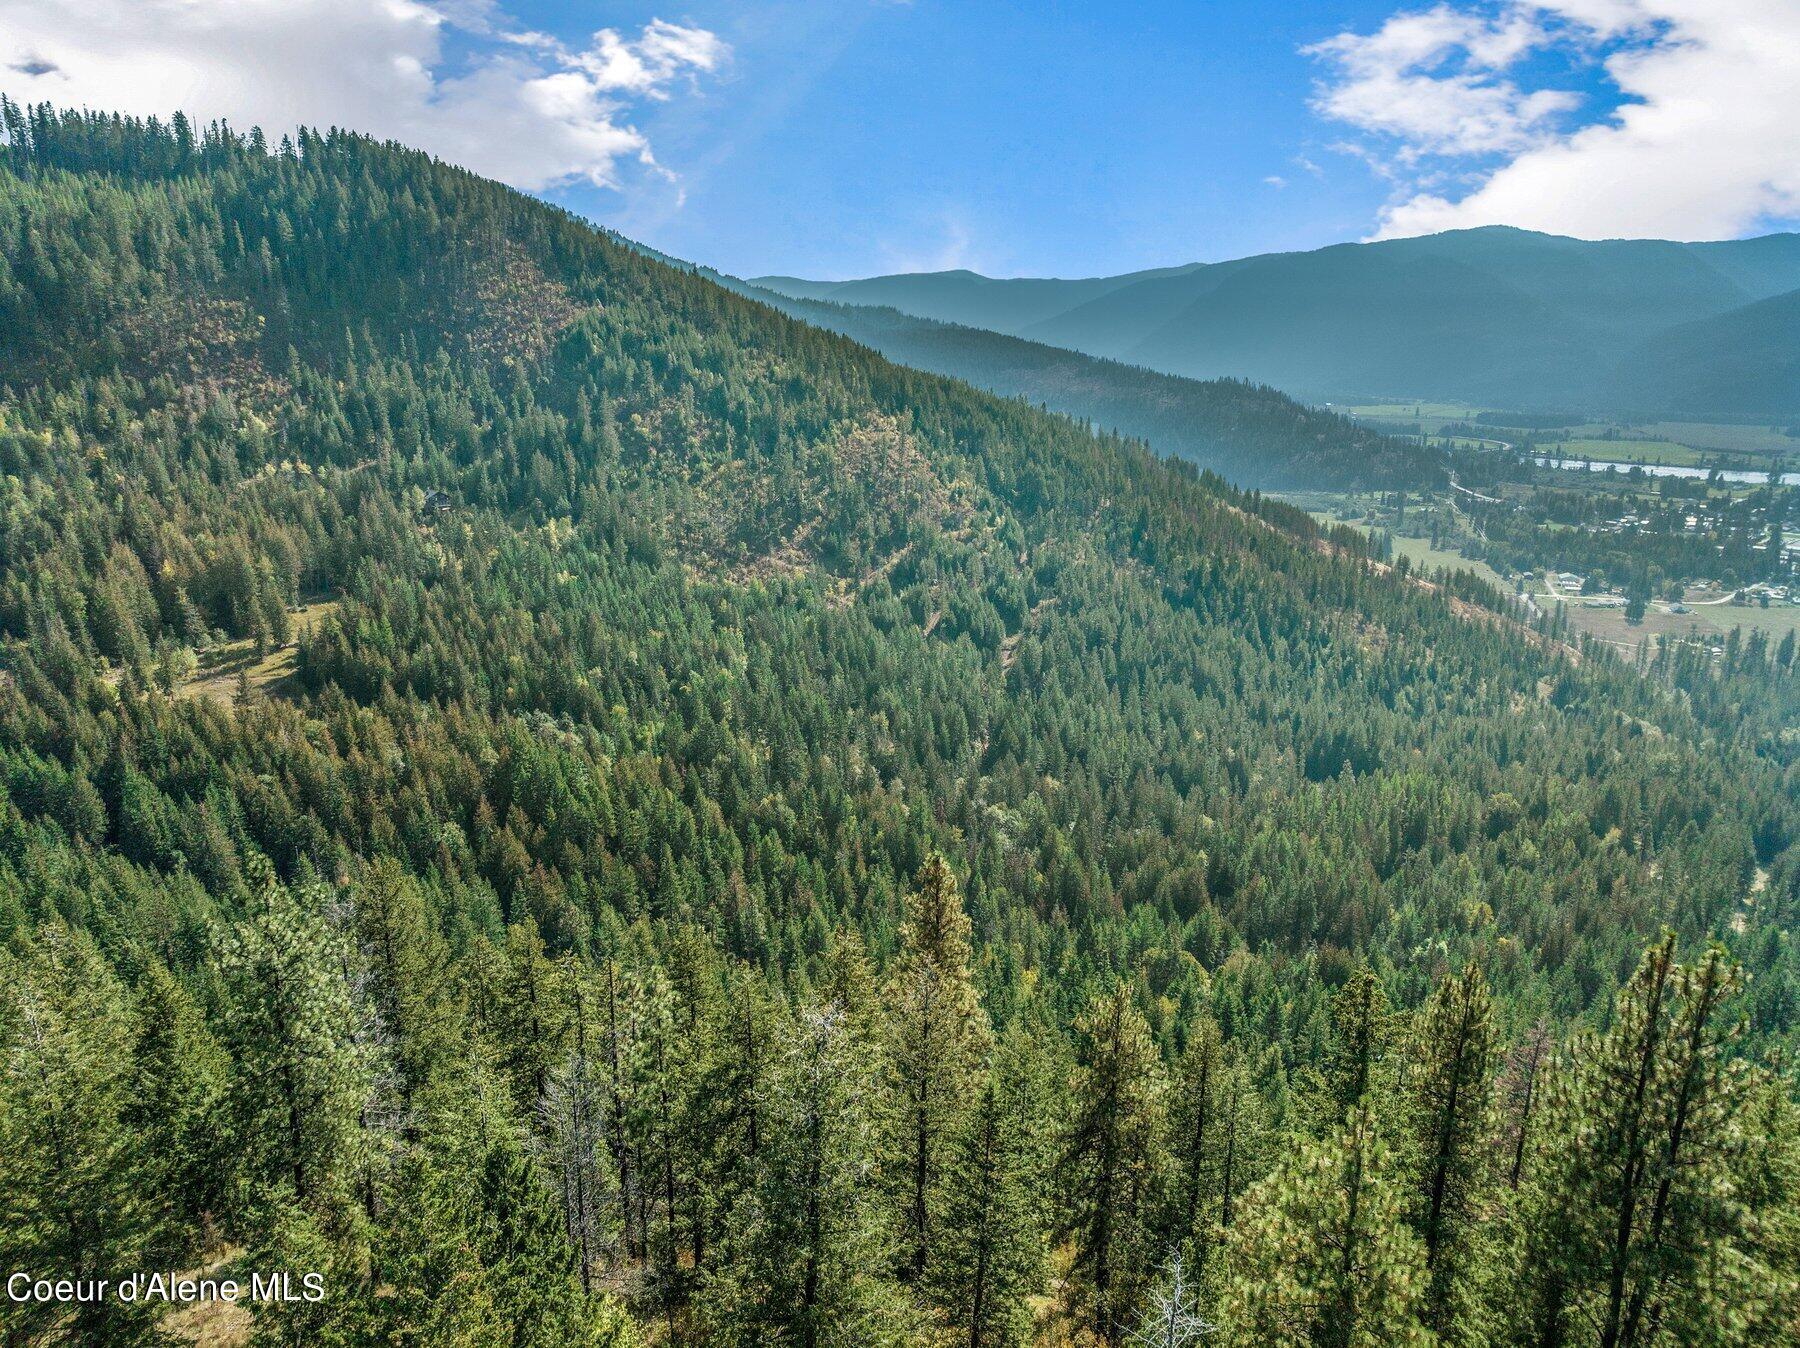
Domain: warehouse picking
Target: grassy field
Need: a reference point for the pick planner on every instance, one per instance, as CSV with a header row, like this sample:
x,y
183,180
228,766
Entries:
x,y
1729,439
1426,559
1409,411
1625,451
218,676
1777,622
1417,418
1332,507
1678,443
1329,508
1608,624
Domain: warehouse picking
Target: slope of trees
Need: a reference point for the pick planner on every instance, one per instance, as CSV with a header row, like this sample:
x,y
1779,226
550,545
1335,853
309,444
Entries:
x,y
748,844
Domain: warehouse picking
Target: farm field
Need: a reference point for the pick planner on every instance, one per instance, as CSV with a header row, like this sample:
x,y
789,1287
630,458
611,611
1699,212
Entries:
x,y
1729,439
1776,620
1421,418
1608,624
1684,444
1408,411
1626,451
1368,513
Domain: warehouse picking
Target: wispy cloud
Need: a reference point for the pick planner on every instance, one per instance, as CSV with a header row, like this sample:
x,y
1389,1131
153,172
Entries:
x,y
456,77
943,243
1705,142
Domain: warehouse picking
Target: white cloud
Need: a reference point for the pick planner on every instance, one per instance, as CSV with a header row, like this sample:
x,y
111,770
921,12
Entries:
x,y
1433,81
1706,143
455,77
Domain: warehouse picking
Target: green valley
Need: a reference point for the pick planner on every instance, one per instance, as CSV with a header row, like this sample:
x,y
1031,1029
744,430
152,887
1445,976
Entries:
x,y
583,809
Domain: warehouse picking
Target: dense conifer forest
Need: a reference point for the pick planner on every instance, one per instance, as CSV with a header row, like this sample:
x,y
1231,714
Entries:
x,y
587,811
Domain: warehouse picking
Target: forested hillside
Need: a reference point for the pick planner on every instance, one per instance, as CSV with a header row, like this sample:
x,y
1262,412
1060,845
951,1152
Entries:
x,y
1248,433
588,811
1746,361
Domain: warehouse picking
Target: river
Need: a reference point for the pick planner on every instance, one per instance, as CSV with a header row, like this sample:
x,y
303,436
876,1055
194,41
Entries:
x,y
1659,469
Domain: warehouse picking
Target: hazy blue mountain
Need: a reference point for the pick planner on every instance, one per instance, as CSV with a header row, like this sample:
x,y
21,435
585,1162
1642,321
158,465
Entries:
x,y
1249,433
1007,305
1358,320
1764,267
1746,362
1496,314
1113,324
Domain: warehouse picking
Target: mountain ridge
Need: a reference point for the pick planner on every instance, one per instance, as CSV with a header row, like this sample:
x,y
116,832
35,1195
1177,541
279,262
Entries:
x,y
1493,314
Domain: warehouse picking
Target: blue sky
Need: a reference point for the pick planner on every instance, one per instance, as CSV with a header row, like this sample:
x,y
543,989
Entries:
x,y
1050,139
859,136
845,137
1061,139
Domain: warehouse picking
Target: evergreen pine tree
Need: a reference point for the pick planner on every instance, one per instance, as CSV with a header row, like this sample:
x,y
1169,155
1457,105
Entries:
x,y
664,1073
1321,1254
1693,1214
807,1263
73,1180
573,1115
848,982
936,1037
176,1110
989,1256
1764,1302
1356,1055
615,1034
696,976
476,1248
1108,1169
407,960
1450,1088
1520,1087
755,1023
1629,1205
1195,1136
297,1084
529,1014
1243,1140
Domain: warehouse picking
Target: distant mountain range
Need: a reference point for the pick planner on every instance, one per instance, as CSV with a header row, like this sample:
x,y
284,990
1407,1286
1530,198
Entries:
x,y
1495,315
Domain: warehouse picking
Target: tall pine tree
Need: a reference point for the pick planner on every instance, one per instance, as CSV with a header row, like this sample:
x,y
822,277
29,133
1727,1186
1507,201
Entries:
x,y
1450,1084
936,1038
298,1082
1108,1169
807,1264
988,1259
1321,1254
